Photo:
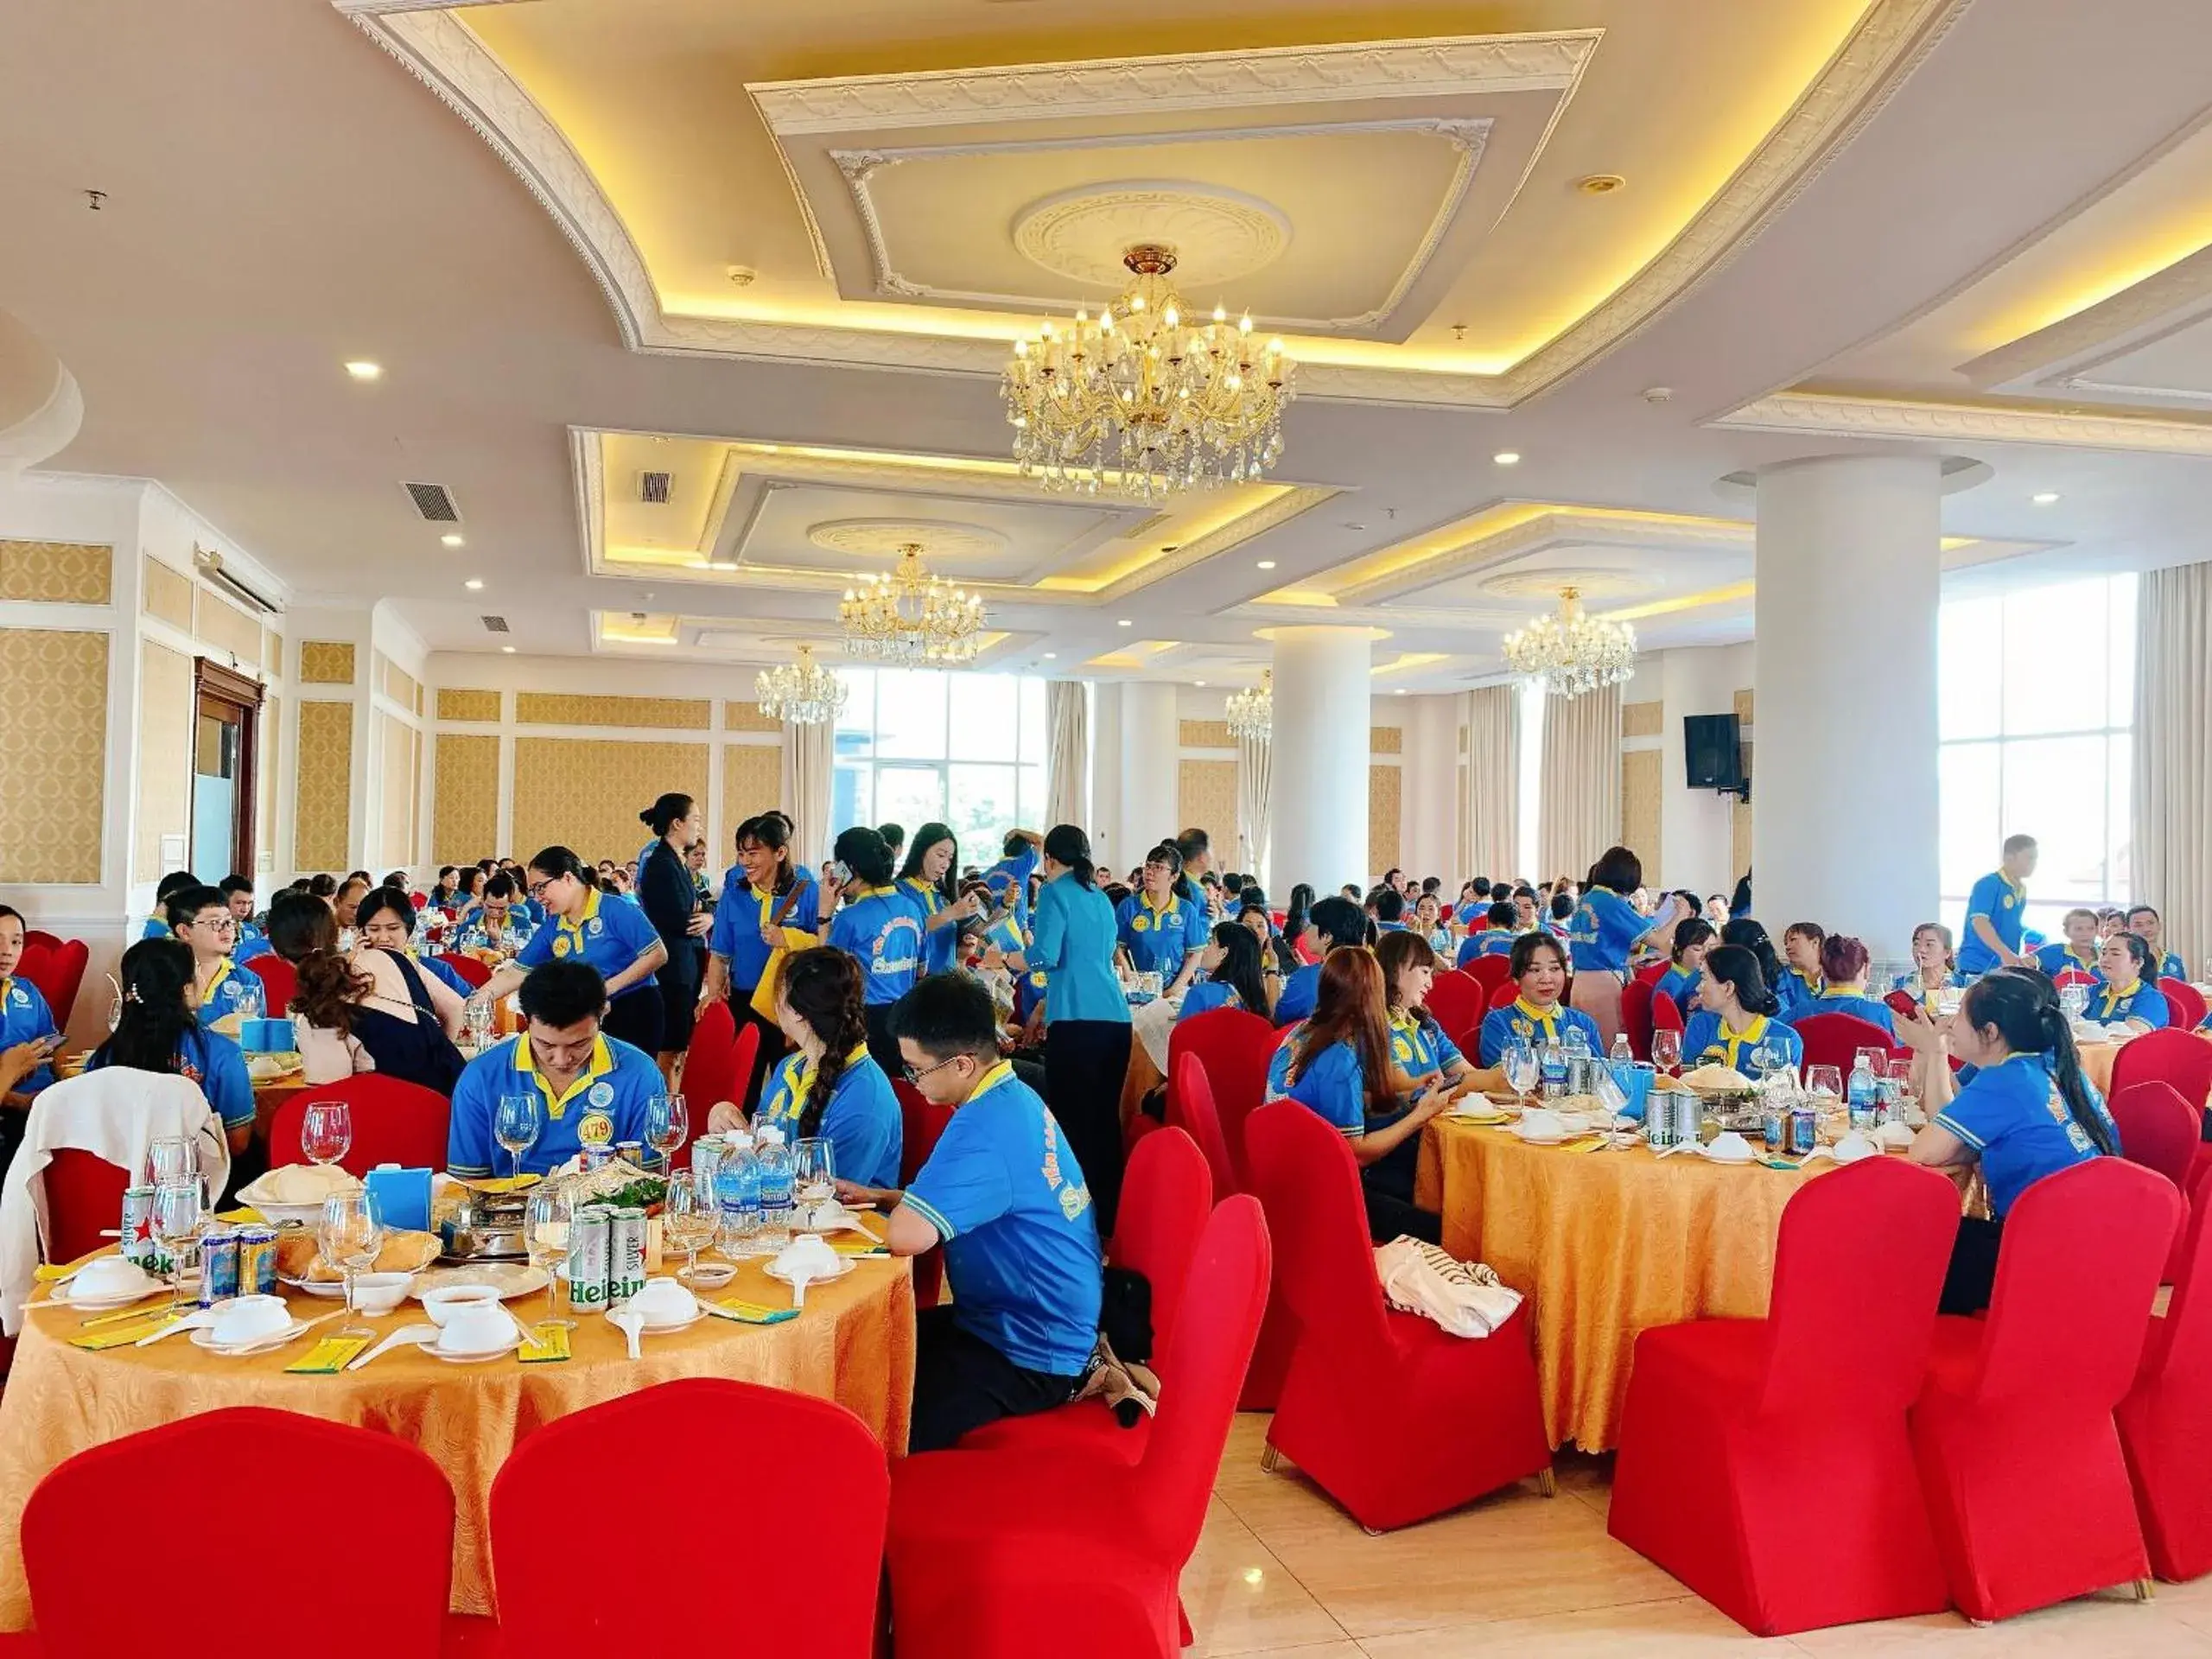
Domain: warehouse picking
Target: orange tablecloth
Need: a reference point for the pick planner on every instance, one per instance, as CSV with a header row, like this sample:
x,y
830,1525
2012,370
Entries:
x,y
2097,1065
853,1344
1605,1245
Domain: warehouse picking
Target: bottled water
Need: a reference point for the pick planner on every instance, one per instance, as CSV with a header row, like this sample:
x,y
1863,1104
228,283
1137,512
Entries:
x,y
1552,1060
1621,1054
737,1198
776,1175
1863,1095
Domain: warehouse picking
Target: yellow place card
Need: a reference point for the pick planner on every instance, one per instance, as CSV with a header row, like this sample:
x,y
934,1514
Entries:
x,y
547,1345
328,1356
48,1272
858,1249
245,1214
504,1184
745,1313
122,1335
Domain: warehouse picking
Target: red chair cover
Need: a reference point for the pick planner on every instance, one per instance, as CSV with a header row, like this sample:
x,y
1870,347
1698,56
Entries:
x,y
736,1438
2180,1059
1234,1046
2165,1422
2020,1459
1665,1016
2074,977
1636,998
744,1053
2158,1129
84,1199
1458,1001
2184,1001
921,1121
1009,1556
57,968
279,983
1652,972
39,936
1490,972
1191,1109
1353,1351
1504,995
394,1122
709,1074
471,969
1744,1438
1836,1040
391,1494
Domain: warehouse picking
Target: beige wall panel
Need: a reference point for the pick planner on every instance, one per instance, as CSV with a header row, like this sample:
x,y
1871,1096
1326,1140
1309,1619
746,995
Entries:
x,y
272,654
1206,799
164,768
1206,735
1383,807
573,708
52,750
225,627
57,573
1744,707
457,703
326,661
753,782
399,686
395,813
586,792
265,825
1386,740
465,825
1740,837
1640,793
322,800
1643,718
748,717
166,593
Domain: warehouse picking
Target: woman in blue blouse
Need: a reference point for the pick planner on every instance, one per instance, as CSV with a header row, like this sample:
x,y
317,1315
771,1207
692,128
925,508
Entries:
x,y
1072,936
1337,1063
830,1085
2126,994
1161,927
158,1030
1843,987
1692,939
2026,1113
1802,977
768,901
1537,1016
1605,932
1935,968
612,936
930,877
1737,1017
1421,1056
1229,975
877,924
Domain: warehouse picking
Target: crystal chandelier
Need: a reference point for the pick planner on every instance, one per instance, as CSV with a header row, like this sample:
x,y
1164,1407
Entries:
x,y
910,616
804,693
1139,399
1572,652
1252,713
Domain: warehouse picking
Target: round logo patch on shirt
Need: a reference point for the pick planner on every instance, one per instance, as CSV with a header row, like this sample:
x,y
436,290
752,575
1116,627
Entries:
x,y
1139,924
594,926
595,1129
601,1094
2007,901
561,945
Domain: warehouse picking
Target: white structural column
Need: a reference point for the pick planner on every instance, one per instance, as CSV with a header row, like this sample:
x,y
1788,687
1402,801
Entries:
x,y
1151,775
1844,769
1317,810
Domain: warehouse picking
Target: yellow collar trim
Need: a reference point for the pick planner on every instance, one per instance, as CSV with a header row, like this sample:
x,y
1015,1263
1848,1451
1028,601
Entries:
x,y
602,1062
990,1080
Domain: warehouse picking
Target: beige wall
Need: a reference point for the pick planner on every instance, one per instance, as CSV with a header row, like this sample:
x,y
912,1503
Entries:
x,y
586,793
322,795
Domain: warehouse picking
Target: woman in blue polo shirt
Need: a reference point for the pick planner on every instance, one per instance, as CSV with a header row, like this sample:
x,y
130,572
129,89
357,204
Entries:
x,y
1537,1016
1421,1054
1843,988
830,1085
159,1030
1335,921
1801,978
25,1021
930,877
1935,968
583,923
2026,1112
1161,927
1229,975
868,916
768,901
1738,1017
2125,994
1008,879
1605,932
1692,939
2076,953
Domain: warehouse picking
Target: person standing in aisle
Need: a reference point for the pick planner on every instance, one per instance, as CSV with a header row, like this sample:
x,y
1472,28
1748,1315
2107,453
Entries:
x,y
670,902
1997,913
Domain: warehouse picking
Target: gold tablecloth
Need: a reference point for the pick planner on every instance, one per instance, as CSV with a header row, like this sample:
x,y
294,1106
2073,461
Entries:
x,y
853,1344
2097,1065
1605,1245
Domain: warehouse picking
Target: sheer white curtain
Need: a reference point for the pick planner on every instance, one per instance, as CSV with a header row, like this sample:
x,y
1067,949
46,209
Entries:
x,y
1255,775
1580,802
810,753
1067,752
2173,728
1489,813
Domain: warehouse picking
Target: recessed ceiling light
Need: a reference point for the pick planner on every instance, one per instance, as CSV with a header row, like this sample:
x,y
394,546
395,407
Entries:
x,y
361,369
1267,564
1400,692
473,584
1122,623
1507,457
510,650
450,541
2044,499
1049,655
1197,682
1600,184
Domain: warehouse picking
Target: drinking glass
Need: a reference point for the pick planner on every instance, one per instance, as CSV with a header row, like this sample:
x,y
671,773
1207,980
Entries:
x,y
351,1233
480,1022
814,1174
546,1233
179,1207
326,1131
688,1218
1877,1059
668,1123
2075,998
171,1158
1667,1049
1824,1080
517,1126
249,996
1521,1067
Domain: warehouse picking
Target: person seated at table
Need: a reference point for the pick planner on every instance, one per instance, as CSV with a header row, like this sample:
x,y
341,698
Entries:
x,y
371,1011
1473,904
1692,939
345,904
1388,907
2125,995
1162,928
1231,974
1736,1016
1277,959
1336,922
2077,952
441,892
1801,979
2145,921
385,921
1338,1064
1537,1016
2027,1111
201,916
1494,939
592,1090
29,1036
1428,922
829,1086
157,923
1421,1053
158,1029
500,924
249,941
1935,968
1843,987
1003,1193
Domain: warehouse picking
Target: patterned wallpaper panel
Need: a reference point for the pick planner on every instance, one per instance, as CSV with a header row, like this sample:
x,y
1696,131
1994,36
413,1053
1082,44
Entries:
x,y
165,723
395,827
1640,793
228,628
456,703
167,594
326,661
573,708
1382,783
1206,798
748,717
1743,708
57,573
1643,720
586,792
53,749
753,782
1206,735
1386,740
466,825
323,800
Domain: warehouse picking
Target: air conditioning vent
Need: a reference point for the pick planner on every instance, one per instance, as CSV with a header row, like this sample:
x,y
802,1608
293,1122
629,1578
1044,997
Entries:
x,y
495,624
433,503
652,488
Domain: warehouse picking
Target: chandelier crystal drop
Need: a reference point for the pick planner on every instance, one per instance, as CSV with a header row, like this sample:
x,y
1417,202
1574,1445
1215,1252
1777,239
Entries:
x,y
1572,652
1252,713
909,616
1141,399
804,693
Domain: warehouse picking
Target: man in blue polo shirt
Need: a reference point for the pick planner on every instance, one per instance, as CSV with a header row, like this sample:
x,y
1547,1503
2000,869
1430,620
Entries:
x,y
1004,1196
1997,913
1336,922
202,916
593,1089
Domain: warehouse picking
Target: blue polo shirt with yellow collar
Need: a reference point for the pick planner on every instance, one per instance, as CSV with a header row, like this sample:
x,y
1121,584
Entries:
x,y
25,1018
1158,938
232,990
606,1104
609,935
2004,902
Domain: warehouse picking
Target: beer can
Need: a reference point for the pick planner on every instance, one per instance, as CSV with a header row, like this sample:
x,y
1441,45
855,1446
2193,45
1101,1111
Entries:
x,y
632,1153
1804,1128
1774,1121
627,1255
257,1261
219,1266
589,1236
137,1230
1688,1116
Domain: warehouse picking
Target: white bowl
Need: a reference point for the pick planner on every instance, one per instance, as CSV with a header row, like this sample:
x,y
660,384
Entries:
x,y
475,1329
380,1293
442,1305
249,1318
110,1277
664,1302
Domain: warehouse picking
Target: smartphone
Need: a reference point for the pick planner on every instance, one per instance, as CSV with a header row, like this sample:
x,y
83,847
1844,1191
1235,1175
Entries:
x,y
836,870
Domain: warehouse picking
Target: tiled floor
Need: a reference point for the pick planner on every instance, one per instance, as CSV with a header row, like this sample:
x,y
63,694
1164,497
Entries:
x,y
1282,1571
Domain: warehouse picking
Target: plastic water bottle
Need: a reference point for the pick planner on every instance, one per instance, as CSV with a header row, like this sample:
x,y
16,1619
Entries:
x,y
1863,1095
776,1177
1552,1061
1621,1054
737,1197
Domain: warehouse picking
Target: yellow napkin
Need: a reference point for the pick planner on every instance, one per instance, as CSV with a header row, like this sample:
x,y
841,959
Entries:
x,y
117,1336
328,1356
243,1213
505,1183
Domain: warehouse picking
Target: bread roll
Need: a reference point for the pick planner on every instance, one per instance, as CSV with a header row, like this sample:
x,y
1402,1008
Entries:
x,y
402,1252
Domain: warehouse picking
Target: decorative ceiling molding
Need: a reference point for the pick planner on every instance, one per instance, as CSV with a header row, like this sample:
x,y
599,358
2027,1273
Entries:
x,y
2064,356
1840,415
1483,549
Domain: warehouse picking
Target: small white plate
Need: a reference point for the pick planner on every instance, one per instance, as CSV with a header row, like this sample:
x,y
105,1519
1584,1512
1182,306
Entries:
x,y
436,1352
510,1279
844,1267
331,1289
673,1325
204,1337
60,1297
1711,1157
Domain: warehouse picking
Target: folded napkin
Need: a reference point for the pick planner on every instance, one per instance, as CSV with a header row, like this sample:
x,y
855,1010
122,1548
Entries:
x,y
1728,1147
1538,1123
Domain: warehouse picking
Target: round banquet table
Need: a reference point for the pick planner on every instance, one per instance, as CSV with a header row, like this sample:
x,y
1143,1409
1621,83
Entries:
x,y
1604,1244
854,1343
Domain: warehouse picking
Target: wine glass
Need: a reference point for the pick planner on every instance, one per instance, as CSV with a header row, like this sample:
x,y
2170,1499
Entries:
x,y
814,1174
350,1235
546,1233
688,1218
171,1158
1521,1067
326,1131
248,995
668,1123
517,1126
1667,1049
179,1207
2075,998
1824,1080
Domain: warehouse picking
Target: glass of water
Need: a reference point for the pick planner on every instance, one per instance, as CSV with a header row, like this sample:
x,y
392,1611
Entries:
x,y
1521,1067
520,1123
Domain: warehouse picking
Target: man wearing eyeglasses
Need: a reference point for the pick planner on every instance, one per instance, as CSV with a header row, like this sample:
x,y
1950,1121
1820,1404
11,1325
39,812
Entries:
x,y
200,916
1004,1195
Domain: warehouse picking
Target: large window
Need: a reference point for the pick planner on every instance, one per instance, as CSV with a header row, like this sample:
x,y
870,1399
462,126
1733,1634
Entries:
x,y
2038,713
963,749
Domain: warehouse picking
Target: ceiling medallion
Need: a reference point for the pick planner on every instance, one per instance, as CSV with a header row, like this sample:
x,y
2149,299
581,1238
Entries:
x,y
1571,652
908,616
886,538
1137,400
804,693
1251,714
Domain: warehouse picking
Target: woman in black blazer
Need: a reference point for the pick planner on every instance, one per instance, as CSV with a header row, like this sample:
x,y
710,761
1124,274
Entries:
x,y
671,901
